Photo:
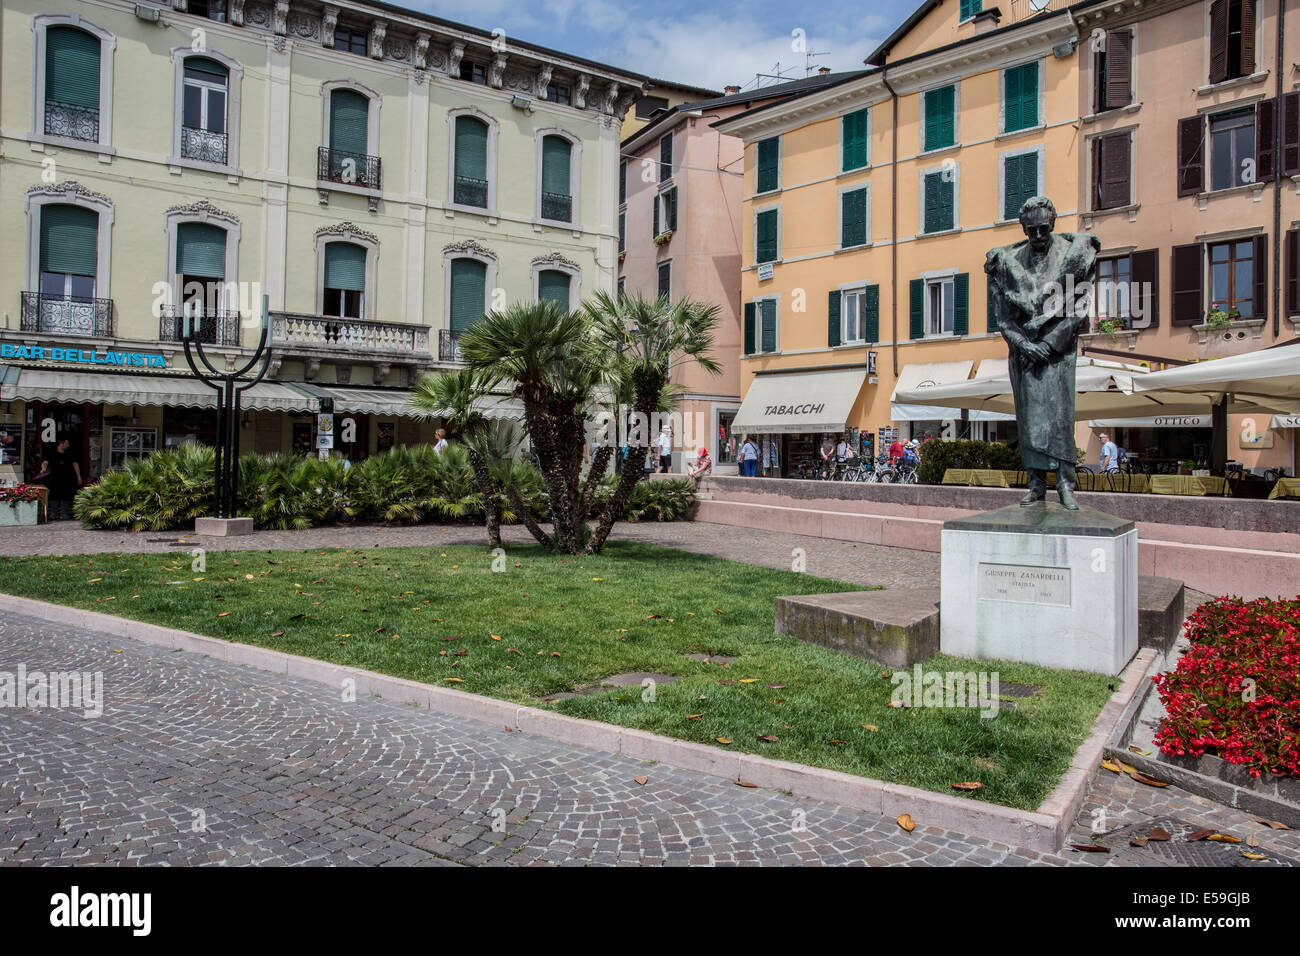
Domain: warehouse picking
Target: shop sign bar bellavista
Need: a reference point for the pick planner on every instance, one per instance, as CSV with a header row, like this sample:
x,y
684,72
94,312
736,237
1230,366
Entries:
x,y
46,353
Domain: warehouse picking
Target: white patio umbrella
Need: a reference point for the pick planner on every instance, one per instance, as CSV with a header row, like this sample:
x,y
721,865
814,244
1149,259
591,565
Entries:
x,y
1267,380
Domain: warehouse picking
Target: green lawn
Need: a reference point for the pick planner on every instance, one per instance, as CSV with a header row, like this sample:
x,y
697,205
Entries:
x,y
436,615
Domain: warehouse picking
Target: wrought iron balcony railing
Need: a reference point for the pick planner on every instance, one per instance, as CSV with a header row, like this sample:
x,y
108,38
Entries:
x,y
348,335
214,328
71,121
342,166
471,192
66,315
203,145
557,206
449,346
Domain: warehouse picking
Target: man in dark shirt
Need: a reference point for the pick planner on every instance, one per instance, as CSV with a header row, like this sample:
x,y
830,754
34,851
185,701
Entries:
x,y
65,479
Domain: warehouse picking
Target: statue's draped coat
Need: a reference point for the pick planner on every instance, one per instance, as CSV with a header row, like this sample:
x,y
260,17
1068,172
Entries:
x,y
1043,391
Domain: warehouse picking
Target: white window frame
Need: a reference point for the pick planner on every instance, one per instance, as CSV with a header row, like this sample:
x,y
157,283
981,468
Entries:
x,y
663,205
956,200
234,100
839,216
956,117
871,113
547,264
115,429
754,231
941,278
780,161
70,193
1006,154
107,47
846,290
575,179
203,212
327,234
672,164
494,129
758,323
1039,100
1208,148
376,101
488,258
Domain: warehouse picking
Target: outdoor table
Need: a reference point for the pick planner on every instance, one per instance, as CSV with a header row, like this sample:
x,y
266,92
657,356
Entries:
x,y
983,477
1113,481
1285,488
1188,485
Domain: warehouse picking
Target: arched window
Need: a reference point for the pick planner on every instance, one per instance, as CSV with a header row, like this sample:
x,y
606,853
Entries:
x,y
344,284
471,166
468,293
349,150
72,84
201,267
557,199
205,99
553,286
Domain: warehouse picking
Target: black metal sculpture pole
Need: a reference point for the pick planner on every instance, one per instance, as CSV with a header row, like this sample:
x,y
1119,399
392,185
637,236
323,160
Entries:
x,y
229,387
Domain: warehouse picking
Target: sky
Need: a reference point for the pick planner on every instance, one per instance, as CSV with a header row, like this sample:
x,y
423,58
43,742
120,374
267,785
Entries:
x,y
707,45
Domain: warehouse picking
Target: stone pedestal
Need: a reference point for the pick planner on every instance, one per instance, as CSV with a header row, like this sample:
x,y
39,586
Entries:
x,y
223,527
1041,585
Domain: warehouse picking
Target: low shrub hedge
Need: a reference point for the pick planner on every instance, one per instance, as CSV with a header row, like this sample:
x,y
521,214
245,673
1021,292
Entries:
x,y
171,488
1236,692
938,456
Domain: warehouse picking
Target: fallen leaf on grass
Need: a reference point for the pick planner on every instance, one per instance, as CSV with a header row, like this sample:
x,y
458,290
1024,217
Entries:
x,y
723,740
450,637
641,780
749,680
511,650
895,703
453,680
718,610
871,727
1090,847
223,614
694,716
777,686
555,653
495,637
651,617
277,634
726,682
967,785
835,743
906,822
769,738
94,580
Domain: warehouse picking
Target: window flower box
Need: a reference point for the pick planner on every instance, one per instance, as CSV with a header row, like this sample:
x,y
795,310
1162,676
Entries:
x,y
663,237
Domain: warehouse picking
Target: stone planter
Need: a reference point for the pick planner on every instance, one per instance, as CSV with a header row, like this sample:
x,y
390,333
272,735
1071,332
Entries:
x,y
24,512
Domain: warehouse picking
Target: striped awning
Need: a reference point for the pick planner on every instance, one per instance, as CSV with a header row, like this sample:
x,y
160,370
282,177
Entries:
x,y
54,385
397,402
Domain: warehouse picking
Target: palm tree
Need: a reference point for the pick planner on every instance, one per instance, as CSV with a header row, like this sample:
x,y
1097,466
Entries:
x,y
643,340
542,351
452,396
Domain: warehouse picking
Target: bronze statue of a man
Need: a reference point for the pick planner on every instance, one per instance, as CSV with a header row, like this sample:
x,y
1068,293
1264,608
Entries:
x,y
1039,290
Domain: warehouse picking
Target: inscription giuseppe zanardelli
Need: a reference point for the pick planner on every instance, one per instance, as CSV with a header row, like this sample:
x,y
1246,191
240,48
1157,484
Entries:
x,y
1024,585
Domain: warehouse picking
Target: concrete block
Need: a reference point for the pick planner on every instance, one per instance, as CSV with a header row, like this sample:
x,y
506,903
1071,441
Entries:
x,y
896,628
1160,611
223,527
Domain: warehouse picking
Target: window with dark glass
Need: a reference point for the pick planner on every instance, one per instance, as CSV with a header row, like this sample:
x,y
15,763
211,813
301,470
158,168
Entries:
x,y
558,93
1232,148
1232,39
557,157
473,72
350,41
666,158
72,84
648,106
471,184
212,9
345,280
1232,277
205,88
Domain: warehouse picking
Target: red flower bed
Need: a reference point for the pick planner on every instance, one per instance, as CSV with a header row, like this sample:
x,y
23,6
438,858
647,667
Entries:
x,y
18,493
1236,692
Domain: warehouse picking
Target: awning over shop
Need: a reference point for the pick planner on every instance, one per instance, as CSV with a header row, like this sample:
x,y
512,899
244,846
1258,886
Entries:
x,y
1158,421
397,402
927,375
800,402
53,385
1285,421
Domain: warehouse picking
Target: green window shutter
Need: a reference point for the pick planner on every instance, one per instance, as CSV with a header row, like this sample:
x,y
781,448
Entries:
x,y
556,154
654,201
969,8
916,295
853,218
940,124
672,208
749,328
961,304
938,203
72,67
769,172
767,236
1020,182
345,266
991,306
201,251
69,240
871,314
553,286
471,147
854,135
1020,95
769,325
468,292
833,318
349,121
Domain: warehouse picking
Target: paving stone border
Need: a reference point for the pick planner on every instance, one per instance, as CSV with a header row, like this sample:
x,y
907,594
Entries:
x,y
1207,776
1044,829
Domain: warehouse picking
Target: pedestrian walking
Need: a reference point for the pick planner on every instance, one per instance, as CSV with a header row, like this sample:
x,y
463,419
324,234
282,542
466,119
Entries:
x,y
65,479
665,445
749,458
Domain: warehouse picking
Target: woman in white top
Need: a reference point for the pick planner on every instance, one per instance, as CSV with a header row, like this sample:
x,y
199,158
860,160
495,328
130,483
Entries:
x,y
441,435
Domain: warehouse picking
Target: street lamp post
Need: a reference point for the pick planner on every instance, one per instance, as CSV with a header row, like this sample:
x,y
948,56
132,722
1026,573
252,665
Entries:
x,y
229,387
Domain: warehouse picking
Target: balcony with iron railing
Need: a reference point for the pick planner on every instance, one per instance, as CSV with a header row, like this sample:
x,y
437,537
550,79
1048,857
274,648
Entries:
x,y
71,121
348,168
558,207
449,346
470,192
294,331
211,328
203,145
66,315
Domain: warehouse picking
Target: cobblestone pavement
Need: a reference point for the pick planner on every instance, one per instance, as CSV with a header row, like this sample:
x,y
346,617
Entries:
x,y
825,557
279,770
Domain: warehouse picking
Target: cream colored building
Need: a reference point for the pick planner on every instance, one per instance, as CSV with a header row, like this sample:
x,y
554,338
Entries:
x,y
381,176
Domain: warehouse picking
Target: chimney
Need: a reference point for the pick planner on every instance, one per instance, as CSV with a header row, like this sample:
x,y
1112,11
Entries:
x,y
730,90
823,69
987,20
